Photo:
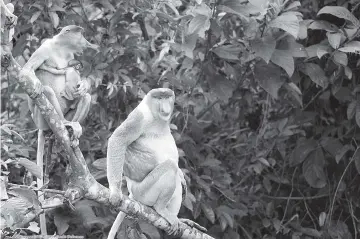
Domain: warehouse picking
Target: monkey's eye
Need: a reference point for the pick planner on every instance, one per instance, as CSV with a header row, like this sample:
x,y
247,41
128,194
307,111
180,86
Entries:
x,y
67,30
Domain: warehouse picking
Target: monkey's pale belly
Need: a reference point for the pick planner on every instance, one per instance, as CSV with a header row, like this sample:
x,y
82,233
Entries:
x,y
56,82
143,155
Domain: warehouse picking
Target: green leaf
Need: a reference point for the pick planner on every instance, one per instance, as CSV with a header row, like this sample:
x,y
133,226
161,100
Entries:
x,y
348,72
221,87
295,92
285,60
340,12
357,113
56,8
229,219
297,49
264,48
351,110
341,153
316,74
287,22
303,26
101,66
199,24
61,223
209,212
33,226
331,145
313,169
100,164
353,47
318,50
243,10
229,52
303,148
35,17
334,39
32,167
54,19
323,25
321,51
269,78
231,10
356,158
3,181
322,218
341,58
293,5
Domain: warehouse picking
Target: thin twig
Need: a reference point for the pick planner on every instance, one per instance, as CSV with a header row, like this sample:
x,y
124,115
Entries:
x,y
338,186
352,217
317,94
288,200
13,185
297,198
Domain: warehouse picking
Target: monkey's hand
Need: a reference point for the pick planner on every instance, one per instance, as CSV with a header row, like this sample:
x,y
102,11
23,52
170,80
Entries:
x,y
29,76
116,197
52,70
68,92
174,223
82,87
75,131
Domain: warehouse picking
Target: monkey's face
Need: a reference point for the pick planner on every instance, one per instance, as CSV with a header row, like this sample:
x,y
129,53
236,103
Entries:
x,y
72,37
161,102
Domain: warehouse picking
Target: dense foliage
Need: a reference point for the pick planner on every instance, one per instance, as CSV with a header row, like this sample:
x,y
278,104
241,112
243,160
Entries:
x,y
267,112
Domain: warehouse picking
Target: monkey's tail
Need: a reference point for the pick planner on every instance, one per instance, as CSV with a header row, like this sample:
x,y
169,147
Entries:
x,y
114,228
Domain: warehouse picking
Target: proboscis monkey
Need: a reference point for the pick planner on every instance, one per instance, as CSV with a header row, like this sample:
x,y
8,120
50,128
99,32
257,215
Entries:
x,y
56,53
143,148
74,93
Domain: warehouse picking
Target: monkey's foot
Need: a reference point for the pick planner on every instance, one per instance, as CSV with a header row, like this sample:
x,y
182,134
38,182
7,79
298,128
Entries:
x,y
192,224
75,132
115,199
173,220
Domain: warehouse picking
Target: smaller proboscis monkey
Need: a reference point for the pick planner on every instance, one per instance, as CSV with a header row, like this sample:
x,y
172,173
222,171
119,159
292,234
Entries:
x,y
75,91
143,148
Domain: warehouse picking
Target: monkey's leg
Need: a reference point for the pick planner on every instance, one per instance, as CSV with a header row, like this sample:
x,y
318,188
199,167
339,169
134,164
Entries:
x,y
50,94
157,190
40,182
82,108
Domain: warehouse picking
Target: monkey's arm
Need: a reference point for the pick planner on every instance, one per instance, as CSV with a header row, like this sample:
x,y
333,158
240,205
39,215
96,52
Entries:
x,y
183,184
52,70
123,136
35,61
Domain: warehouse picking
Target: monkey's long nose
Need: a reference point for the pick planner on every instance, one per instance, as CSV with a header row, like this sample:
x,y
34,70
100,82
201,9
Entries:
x,y
92,46
165,109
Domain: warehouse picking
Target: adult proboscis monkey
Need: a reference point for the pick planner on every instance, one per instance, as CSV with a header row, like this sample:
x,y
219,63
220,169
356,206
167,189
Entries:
x,y
56,53
143,148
